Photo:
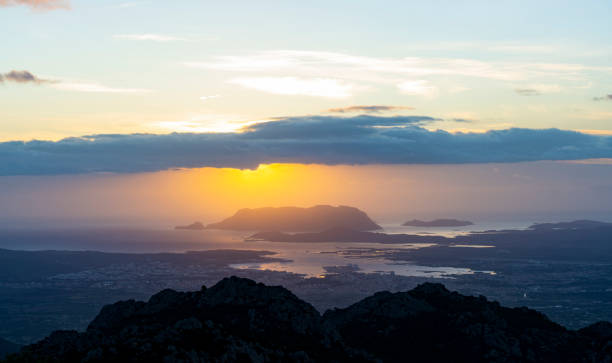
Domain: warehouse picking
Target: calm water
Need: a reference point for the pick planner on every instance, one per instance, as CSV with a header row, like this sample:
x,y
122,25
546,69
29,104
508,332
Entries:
x,y
310,259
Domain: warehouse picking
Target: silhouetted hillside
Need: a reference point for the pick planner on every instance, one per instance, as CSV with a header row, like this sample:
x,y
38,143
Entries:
x,y
316,218
579,224
438,223
193,226
240,320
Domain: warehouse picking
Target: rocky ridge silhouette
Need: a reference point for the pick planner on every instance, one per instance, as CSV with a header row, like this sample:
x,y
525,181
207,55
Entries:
x,y
241,320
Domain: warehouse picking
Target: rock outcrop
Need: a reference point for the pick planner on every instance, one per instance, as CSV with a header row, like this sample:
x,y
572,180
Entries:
x,y
240,320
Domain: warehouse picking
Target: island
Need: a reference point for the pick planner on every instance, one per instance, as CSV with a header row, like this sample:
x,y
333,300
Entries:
x,y
339,234
445,222
196,226
573,225
295,219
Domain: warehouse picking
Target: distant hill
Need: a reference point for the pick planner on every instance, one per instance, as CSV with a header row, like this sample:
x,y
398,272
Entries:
x,y
240,320
579,224
445,222
318,218
345,235
193,226
7,347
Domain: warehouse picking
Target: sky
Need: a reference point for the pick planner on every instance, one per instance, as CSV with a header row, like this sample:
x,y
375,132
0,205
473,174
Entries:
x,y
521,193
95,92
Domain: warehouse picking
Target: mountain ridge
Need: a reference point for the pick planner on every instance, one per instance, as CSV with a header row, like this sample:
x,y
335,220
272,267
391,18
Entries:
x,y
241,320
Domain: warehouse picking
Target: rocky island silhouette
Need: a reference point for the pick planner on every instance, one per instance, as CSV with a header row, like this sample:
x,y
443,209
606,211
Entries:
x,y
296,219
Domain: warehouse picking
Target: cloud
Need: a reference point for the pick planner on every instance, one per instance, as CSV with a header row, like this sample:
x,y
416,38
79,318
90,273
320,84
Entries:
x,y
386,69
38,4
603,98
329,140
418,88
328,127
317,87
527,92
96,88
538,89
22,77
369,109
150,37
27,77
205,98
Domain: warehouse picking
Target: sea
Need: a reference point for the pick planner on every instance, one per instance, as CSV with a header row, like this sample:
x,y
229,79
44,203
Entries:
x,y
308,259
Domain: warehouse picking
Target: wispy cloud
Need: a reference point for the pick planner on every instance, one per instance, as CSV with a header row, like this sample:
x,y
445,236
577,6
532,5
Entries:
x,y
150,37
23,77
418,88
38,4
26,77
364,139
423,76
369,109
318,87
603,98
527,92
96,88
538,89
331,64
205,98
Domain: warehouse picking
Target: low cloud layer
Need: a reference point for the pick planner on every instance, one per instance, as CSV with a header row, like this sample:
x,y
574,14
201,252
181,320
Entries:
x,y
38,4
22,77
369,109
315,139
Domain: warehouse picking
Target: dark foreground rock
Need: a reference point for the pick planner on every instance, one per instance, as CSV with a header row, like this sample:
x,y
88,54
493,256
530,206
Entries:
x,y
240,320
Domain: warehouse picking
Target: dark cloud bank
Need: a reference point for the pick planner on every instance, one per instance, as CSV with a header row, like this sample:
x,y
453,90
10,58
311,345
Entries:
x,y
315,139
